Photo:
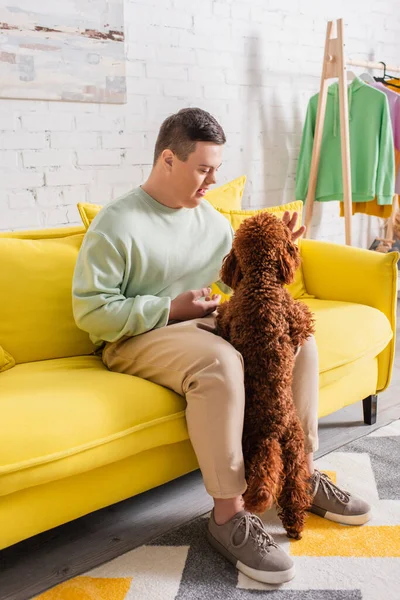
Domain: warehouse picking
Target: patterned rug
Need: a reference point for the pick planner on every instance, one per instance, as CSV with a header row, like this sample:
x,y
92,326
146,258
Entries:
x,y
333,562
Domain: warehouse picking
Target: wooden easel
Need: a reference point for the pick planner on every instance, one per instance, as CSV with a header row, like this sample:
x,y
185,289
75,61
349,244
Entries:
x,y
334,65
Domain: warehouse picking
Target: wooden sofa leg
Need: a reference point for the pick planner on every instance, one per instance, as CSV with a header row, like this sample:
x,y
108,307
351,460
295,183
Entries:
x,y
370,408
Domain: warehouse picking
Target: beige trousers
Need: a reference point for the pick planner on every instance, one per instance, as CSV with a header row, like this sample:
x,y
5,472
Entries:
x,y
191,359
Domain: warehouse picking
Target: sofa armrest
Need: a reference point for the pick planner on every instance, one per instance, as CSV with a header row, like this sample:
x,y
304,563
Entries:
x,y
349,274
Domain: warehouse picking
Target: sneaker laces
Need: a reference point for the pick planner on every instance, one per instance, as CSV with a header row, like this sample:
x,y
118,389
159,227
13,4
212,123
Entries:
x,y
329,487
254,527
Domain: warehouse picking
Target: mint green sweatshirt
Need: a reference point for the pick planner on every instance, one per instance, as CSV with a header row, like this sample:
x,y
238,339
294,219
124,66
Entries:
x,y
371,147
137,256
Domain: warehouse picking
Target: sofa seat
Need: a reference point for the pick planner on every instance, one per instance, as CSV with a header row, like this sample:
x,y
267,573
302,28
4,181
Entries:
x,y
347,332
65,416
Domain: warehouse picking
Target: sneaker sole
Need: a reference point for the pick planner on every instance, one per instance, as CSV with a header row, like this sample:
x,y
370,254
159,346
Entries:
x,y
272,577
345,519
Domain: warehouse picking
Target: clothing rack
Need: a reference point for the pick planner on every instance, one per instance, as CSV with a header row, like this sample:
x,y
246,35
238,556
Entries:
x,y
334,65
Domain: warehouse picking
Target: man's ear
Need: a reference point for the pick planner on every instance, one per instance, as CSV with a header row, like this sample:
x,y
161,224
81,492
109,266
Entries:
x,y
231,273
167,157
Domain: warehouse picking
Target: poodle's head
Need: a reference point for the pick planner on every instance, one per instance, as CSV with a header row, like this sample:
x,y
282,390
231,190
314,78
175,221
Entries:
x,y
262,246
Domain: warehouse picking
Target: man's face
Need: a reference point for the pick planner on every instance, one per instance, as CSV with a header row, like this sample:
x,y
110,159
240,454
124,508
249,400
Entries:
x,y
189,180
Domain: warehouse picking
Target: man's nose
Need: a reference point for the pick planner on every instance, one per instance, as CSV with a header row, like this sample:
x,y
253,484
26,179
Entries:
x,y
211,179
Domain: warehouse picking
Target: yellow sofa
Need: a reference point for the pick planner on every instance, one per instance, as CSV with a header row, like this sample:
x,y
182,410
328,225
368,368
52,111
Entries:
x,y
75,437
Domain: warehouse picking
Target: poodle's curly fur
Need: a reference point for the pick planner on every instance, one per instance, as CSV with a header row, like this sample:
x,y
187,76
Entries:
x,y
266,325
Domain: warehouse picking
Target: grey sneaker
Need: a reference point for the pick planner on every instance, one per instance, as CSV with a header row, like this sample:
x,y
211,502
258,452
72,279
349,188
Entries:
x,y
244,541
335,504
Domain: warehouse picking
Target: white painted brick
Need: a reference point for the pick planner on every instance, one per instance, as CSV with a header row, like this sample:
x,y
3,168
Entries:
x,y
176,55
211,27
47,158
147,87
8,122
161,71
73,194
21,140
206,6
227,92
99,157
73,216
99,193
221,9
21,180
19,219
123,175
241,10
205,76
135,68
69,177
73,108
4,196
98,123
191,41
171,18
73,140
205,58
139,124
47,122
138,51
54,216
24,199
122,140
183,89
8,159
49,197
135,105
139,156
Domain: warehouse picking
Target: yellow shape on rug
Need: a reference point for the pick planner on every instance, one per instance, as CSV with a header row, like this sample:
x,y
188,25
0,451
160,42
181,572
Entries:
x,y
326,538
89,588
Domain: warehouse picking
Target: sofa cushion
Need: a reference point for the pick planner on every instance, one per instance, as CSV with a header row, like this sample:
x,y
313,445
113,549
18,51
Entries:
x,y
67,416
36,319
346,332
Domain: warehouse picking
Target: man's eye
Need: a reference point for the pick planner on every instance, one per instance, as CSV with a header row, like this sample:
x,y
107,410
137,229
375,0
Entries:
x,y
203,171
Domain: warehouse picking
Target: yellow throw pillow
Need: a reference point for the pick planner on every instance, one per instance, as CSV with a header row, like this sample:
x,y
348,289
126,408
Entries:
x,y
236,217
6,360
227,196
88,212
36,320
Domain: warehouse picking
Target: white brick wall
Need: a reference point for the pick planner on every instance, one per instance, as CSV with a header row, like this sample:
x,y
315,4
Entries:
x,y
252,63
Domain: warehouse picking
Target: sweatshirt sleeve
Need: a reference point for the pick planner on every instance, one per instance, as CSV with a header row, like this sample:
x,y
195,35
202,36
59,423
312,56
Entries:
x,y
304,163
98,305
385,177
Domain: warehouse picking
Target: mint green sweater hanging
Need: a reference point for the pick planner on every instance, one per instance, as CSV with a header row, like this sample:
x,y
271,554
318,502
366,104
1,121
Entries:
x,y
371,147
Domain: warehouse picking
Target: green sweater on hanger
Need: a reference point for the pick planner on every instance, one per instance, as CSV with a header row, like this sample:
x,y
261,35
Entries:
x,y
371,147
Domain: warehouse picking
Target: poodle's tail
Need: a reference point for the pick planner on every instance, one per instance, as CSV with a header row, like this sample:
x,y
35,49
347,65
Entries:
x,y
264,475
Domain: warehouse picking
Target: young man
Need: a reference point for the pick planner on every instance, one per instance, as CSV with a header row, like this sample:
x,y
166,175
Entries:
x,y
140,289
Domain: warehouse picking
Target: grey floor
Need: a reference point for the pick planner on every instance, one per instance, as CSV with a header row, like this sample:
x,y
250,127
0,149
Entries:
x,y
37,564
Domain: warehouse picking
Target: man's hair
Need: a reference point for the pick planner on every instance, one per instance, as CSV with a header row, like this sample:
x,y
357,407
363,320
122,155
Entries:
x,y
181,131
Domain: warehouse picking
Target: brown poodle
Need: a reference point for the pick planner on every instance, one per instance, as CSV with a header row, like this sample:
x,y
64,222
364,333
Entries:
x,y
263,322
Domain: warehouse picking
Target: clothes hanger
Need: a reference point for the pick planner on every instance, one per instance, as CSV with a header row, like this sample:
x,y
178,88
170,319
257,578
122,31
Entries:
x,y
351,76
386,76
367,78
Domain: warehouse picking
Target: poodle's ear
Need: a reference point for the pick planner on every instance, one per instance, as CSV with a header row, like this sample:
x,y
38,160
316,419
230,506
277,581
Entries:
x,y
289,260
231,272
